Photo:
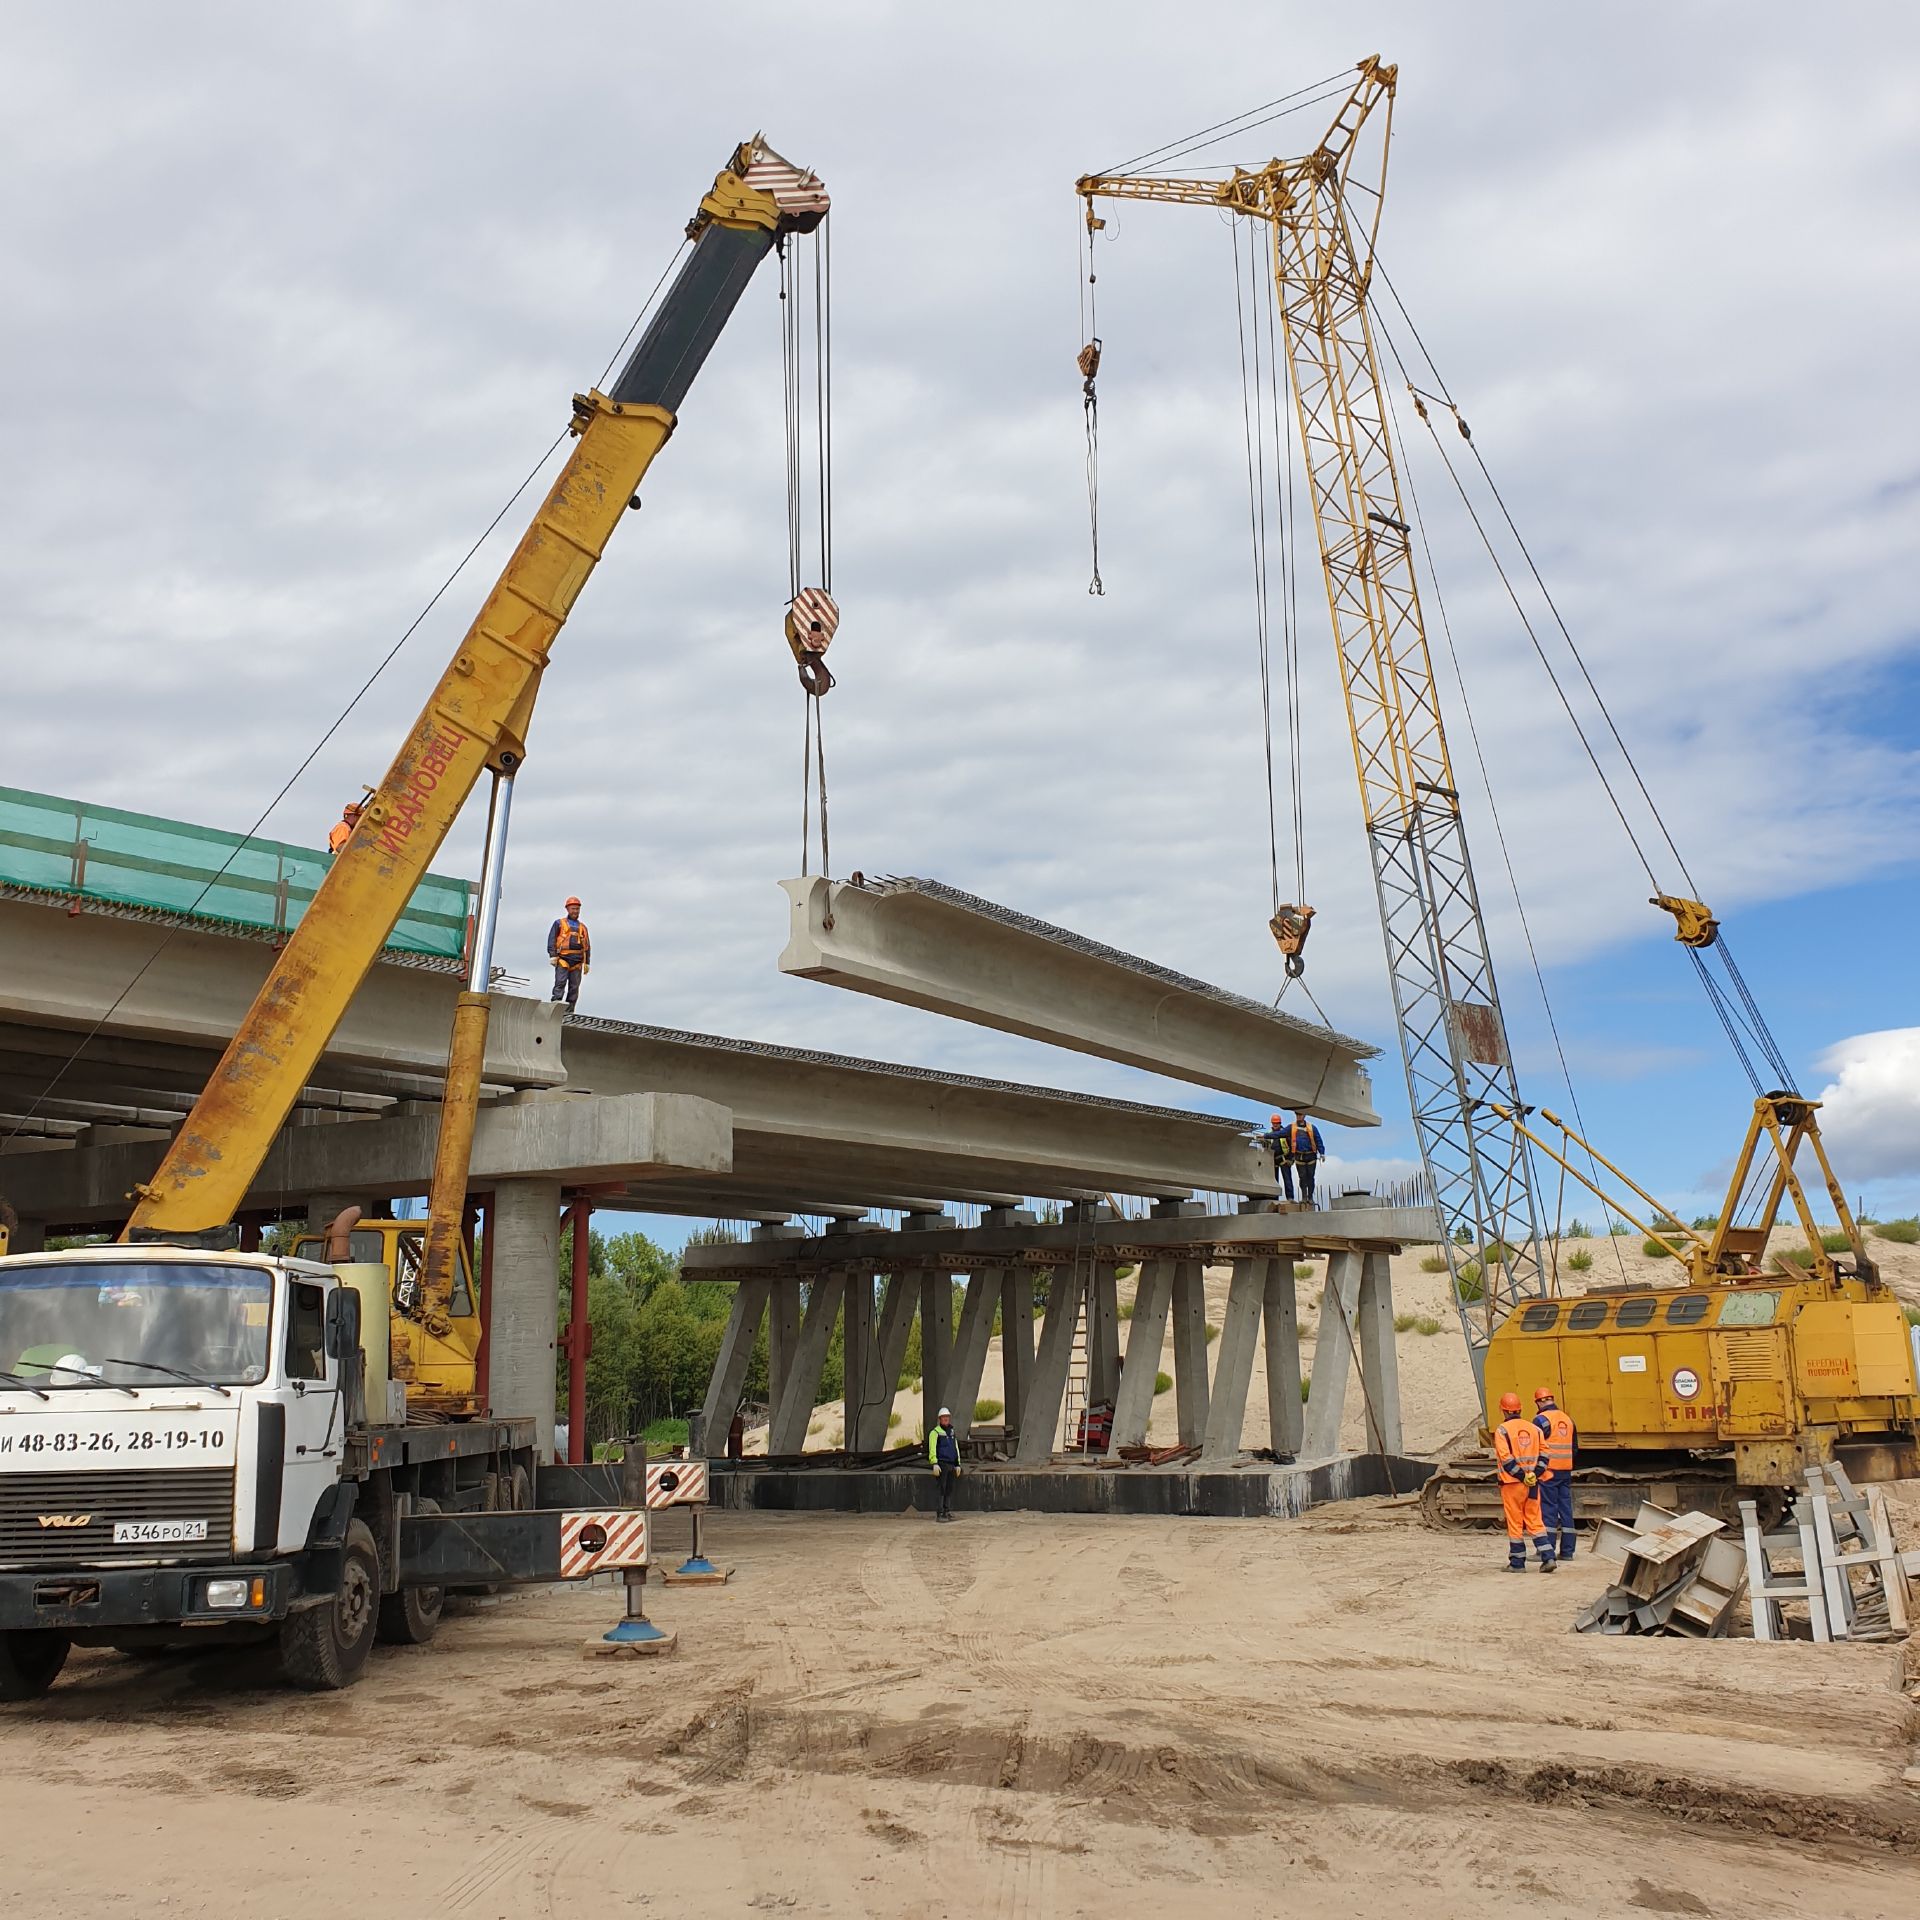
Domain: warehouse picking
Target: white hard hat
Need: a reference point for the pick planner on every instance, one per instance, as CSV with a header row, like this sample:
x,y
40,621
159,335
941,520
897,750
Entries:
x,y
945,1413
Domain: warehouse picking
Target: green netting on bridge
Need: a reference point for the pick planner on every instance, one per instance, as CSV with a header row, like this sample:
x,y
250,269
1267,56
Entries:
x,y
84,852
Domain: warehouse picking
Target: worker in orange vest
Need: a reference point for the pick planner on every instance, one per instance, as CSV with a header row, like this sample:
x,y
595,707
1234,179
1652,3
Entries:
x,y
1519,1449
342,829
570,951
1556,1479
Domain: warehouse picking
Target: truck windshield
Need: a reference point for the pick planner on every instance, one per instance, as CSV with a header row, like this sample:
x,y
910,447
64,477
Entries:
x,y
63,1328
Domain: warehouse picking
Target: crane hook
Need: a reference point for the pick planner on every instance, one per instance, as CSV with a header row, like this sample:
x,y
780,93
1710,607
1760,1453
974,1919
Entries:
x,y
812,619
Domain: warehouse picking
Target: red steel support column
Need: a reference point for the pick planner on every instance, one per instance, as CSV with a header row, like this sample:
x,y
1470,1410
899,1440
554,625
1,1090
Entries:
x,y
579,1331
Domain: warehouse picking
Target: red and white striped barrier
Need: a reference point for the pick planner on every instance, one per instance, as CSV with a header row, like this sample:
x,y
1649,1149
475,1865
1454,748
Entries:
x,y
677,1483
602,1542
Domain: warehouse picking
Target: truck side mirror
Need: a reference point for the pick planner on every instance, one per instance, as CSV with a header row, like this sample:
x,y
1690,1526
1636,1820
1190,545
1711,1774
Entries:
x,y
343,1323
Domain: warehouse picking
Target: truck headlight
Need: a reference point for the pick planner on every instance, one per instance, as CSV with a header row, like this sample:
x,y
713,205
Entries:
x,y
223,1594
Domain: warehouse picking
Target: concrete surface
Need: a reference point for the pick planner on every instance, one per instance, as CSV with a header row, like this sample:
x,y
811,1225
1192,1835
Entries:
x,y
565,1137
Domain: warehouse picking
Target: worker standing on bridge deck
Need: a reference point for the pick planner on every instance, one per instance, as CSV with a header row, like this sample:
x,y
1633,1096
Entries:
x,y
1519,1449
342,829
1556,1479
570,951
1304,1149
943,1456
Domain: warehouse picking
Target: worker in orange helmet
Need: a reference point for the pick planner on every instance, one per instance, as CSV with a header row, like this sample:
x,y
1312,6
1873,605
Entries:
x,y
342,829
1518,1448
1275,1142
570,951
1556,1478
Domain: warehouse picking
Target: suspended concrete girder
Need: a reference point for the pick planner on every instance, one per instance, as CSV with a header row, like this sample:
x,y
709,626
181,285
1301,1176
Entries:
x,y
932,946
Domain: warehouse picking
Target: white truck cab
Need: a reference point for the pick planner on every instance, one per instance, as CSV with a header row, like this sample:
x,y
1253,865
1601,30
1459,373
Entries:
x,y
185,1452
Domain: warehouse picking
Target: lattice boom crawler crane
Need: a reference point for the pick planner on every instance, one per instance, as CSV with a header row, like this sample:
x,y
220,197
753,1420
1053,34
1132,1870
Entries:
x,y
1745,1374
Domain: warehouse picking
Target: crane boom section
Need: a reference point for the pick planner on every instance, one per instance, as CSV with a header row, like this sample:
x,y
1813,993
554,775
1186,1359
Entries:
x,y
478,714
1453,1035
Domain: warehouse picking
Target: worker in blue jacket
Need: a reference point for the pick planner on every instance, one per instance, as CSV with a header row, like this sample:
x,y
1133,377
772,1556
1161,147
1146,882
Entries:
x,y
943,1456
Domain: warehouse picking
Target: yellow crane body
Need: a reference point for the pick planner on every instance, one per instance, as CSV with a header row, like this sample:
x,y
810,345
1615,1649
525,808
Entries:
x,y
1780,1371
438,1363
474,717
478,717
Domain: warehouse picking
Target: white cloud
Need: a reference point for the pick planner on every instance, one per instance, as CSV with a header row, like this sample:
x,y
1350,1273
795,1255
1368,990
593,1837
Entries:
x,y
1870,1113
297,298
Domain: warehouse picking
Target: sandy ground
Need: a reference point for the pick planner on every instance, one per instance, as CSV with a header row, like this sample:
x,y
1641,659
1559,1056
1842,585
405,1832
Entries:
x,y
1013,1715
1437,1403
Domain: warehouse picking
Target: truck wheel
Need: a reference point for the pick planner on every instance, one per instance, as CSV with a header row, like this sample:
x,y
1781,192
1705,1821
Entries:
x,y
408,1618
326,1647
30,1661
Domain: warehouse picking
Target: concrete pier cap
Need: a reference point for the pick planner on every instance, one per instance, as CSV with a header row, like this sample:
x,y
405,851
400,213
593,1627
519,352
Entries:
x,y
928,945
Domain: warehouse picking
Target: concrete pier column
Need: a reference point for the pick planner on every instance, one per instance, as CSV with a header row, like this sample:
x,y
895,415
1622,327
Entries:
x,y
936,1346
1233,1375
1016,1343
1286,1417
1379,1361
525,1229
1103,1335
860,1364
1190,1350
787,1433
729,1378
1040,1418
970,1344
1332,1357
896,1323
783,1333
1146,1336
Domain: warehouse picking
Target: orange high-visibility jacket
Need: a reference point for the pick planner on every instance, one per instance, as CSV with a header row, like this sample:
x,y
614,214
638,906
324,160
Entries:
x,y
1517,1445
341,834
568,944
1555,1428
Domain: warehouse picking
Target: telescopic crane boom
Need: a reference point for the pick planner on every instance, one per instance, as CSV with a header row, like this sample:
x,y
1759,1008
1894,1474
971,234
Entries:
x,y
476,719
1452,1034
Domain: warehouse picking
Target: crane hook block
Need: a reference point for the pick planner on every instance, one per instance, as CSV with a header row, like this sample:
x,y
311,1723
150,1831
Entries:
x,y
1290,927
1694,925
811,621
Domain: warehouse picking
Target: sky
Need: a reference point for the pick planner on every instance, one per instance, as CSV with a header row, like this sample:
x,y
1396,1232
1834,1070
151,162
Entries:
x,y
296,297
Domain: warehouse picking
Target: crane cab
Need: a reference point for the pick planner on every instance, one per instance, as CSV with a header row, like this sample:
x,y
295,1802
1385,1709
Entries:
x,y
440,1370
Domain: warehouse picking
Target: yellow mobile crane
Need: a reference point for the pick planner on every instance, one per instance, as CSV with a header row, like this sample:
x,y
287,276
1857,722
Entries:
x,y
187,1449
1743,1368
476,719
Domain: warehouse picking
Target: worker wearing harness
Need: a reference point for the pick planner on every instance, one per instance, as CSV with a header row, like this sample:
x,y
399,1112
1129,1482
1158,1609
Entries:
x,y
1303,1149
1518,1447
1556,1479
943,1456
571,953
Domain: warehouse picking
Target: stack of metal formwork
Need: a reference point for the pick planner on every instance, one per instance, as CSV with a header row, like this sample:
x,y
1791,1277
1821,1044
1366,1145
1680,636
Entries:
x,y
1678,1575
1850,1577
